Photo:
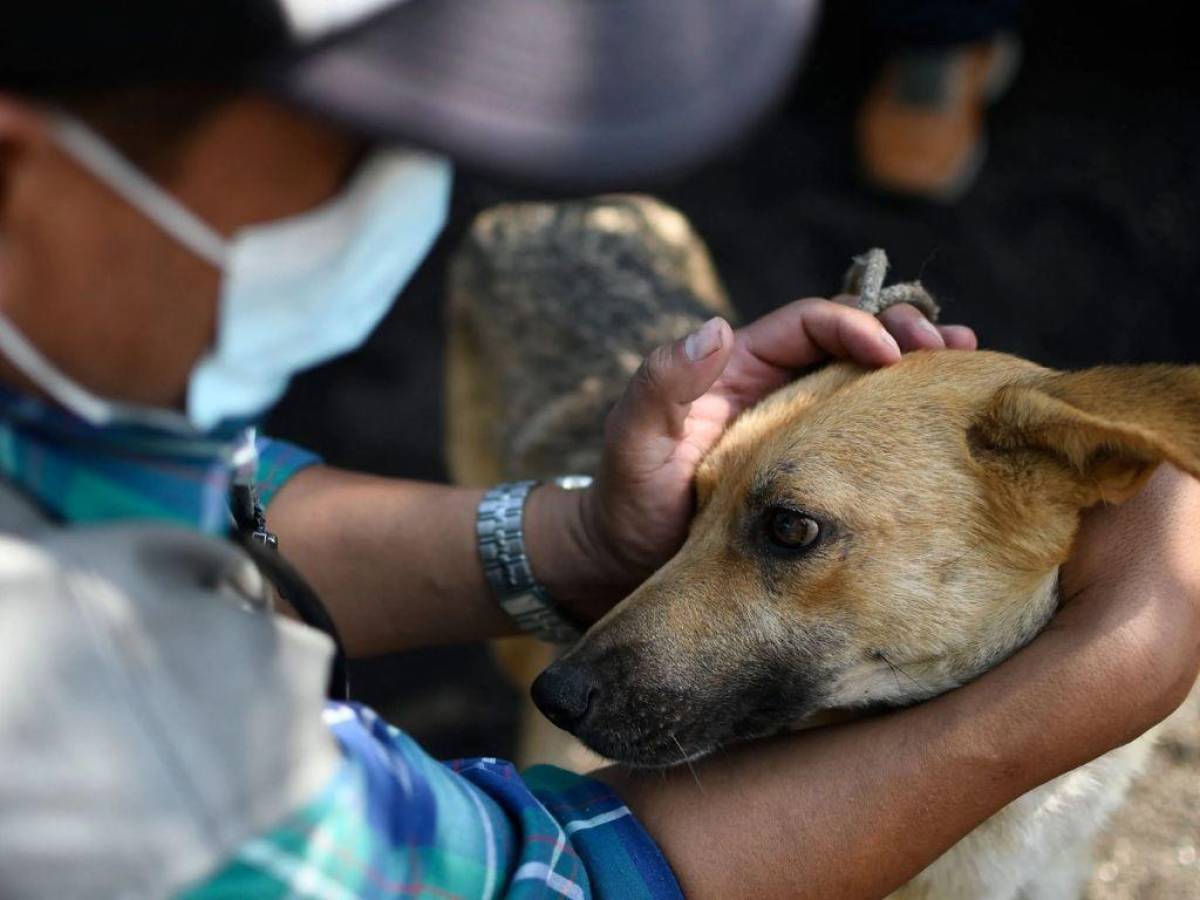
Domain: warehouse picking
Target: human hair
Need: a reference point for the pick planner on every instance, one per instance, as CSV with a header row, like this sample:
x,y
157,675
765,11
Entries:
x,y
148,123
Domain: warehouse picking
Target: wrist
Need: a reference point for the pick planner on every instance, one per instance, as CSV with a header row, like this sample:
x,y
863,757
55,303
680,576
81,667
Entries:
x,y
1069,697
570,553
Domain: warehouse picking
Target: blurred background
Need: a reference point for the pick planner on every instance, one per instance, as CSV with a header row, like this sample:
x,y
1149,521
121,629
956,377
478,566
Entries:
x,y
1076,245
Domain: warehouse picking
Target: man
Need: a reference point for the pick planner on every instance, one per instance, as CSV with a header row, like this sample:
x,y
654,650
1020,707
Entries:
x,y
169,256
920,129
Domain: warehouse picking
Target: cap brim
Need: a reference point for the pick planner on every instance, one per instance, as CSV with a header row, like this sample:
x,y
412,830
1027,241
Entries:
x,y
568,92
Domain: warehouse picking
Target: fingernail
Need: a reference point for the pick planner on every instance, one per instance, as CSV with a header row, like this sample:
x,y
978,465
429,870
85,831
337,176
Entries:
x,y
704,341
926,326
885,338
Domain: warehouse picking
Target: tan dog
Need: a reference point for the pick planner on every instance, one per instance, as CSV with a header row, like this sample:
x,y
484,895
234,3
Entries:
x,y
878,538
552,307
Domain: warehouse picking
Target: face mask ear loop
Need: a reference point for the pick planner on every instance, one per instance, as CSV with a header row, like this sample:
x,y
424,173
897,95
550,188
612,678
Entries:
x,y
40,370
96,155
71,395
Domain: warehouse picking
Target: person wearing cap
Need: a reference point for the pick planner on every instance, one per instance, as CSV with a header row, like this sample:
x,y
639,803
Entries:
x,y
172,252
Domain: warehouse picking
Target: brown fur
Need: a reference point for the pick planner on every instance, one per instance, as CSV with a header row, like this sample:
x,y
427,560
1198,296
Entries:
x,y
552,308
950,484
948,489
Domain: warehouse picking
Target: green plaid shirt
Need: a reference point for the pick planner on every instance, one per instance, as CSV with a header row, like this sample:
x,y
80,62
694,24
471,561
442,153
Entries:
x,y
397,823
393,822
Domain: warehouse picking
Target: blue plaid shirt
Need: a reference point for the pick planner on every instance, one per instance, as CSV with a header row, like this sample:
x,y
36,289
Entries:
x,y
393,822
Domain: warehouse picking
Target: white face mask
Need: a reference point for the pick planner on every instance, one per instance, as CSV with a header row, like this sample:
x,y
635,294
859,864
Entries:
x,y
294,292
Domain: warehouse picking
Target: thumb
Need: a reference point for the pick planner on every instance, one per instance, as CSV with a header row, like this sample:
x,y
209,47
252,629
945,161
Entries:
x,y
660,395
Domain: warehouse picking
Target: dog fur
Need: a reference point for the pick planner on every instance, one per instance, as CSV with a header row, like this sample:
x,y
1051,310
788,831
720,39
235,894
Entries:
x,y
947,489
552,307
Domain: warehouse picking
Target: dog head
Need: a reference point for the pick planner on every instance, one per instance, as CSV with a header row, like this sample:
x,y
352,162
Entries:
x,y
867,538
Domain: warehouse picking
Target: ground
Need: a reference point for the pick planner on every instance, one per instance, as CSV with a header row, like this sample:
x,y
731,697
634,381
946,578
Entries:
x,y
1152,849
1076,247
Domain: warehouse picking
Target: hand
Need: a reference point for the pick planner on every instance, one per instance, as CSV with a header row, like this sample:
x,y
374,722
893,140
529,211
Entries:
x,y
686,394
857,810
1133,582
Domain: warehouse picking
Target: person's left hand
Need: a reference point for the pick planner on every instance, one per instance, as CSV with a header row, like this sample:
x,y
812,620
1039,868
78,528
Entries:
x,y
686,394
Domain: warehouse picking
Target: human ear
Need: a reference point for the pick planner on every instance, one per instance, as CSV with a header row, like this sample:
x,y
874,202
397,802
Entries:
x,y
22,128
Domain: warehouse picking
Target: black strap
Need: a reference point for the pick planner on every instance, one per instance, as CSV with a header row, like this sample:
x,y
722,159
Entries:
x,y
251,534
263,548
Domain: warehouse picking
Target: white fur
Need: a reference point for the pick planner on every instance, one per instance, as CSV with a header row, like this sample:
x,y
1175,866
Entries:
x,y
895,678
1039,846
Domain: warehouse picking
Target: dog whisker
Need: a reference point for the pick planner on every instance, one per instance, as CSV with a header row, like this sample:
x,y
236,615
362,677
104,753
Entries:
x,y
687,761
951,563
897,671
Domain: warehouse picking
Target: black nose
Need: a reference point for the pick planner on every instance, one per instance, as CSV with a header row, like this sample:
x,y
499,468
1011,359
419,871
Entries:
x,y
564,693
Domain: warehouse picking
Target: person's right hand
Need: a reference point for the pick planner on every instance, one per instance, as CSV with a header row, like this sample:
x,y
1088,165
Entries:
x,y
686,393
1134,578
856,810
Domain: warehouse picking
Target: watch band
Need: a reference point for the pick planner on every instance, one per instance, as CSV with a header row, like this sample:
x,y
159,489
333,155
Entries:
x,y
500,533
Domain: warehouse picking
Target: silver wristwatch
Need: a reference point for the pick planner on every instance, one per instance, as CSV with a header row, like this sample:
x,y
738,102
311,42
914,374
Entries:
x,y
500,533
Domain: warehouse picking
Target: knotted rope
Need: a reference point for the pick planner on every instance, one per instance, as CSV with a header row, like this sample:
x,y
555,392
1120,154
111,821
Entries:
x,y
865,278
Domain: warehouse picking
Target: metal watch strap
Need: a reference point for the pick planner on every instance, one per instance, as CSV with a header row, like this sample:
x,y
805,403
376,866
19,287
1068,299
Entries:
x,y
500,532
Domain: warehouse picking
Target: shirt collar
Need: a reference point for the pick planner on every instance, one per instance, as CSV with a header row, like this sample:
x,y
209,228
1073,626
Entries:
x,y
83,474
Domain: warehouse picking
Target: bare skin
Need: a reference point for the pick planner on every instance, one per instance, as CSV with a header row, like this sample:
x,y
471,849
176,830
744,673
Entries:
x,y
100,289
855,811
127,312
124,309
591,548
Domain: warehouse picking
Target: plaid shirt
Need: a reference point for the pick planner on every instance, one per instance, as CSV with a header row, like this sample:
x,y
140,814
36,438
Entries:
x,y
393,822
80,474
396,823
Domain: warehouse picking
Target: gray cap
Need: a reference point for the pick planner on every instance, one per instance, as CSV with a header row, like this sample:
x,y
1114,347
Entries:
x,y
574,92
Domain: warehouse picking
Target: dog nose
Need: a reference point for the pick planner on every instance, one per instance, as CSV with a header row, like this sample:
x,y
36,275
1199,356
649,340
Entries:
x,y
564,693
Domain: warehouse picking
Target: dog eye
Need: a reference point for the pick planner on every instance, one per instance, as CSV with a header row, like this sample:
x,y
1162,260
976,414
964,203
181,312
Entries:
x,y
792,530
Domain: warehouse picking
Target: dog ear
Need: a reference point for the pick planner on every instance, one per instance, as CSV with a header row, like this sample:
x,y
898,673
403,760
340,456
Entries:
x,y
1097,433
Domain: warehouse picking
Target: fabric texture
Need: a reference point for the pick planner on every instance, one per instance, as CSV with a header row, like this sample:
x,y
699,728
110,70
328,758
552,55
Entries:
x,y
194,726
153,717
395,822
82,474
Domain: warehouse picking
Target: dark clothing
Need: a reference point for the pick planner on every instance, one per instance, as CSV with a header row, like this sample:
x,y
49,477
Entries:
x,y
933,23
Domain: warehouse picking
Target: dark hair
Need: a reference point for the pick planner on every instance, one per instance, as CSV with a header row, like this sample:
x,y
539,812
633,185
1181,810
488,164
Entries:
x,y
148,123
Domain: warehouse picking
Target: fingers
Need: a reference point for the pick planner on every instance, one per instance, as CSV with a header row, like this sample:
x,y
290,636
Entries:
x,y
913,331
959,337
807,331
658,399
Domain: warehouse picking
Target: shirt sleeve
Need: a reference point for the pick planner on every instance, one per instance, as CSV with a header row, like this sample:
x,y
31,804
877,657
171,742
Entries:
x,y
277,462
395,822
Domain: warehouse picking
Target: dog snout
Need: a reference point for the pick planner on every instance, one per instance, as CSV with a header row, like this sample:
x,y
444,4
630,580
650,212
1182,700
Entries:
x,y
565,692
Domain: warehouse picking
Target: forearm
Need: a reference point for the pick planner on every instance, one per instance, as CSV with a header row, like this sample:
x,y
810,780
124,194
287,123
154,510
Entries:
x,y
857,810
397,564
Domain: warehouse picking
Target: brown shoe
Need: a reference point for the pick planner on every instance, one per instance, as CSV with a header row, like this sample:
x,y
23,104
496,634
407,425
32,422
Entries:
x,y
920,129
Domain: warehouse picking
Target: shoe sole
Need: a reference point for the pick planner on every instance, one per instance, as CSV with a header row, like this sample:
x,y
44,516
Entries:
x,y
1000,76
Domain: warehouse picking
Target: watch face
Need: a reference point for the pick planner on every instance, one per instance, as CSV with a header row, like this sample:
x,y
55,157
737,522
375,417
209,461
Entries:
x,y
573,482
522,604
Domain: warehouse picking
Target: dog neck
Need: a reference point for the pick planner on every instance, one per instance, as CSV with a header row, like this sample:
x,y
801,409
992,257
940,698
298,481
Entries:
x,y
888,680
